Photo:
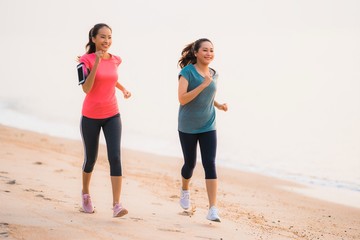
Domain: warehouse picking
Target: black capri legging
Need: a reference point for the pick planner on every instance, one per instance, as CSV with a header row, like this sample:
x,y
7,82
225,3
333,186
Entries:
x,y
90,132
208,143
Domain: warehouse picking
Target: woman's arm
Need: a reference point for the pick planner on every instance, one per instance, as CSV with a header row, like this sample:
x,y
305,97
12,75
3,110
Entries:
x,y
222,106
89,82
185,96
125,92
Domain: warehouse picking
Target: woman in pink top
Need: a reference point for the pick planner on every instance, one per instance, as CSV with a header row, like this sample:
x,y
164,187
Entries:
x,y
100,111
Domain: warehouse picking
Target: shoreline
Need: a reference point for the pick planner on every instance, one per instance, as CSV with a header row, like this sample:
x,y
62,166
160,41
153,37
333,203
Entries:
x,y
56,129
41,178
333,190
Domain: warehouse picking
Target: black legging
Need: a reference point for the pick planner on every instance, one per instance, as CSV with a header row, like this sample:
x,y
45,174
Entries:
x,y
90,132
208,143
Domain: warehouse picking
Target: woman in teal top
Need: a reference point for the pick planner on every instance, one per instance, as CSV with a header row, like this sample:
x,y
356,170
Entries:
x,y
196,122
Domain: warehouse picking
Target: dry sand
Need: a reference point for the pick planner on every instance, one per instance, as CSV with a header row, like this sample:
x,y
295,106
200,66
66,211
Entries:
x,y
40,184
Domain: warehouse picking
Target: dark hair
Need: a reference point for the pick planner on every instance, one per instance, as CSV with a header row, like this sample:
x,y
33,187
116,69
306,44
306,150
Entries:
x,y
188,53
90,46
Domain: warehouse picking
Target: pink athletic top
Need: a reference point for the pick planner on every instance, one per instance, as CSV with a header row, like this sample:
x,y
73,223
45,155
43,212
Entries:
x,y
101,101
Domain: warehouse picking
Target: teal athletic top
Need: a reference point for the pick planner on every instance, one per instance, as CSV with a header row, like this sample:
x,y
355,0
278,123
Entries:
x,y
198,115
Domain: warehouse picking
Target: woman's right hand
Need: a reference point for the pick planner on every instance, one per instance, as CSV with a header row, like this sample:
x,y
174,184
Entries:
x,y
207,80
99,55
88,84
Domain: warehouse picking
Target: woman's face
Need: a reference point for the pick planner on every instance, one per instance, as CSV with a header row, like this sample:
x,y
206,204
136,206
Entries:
x,y
103,39
206,53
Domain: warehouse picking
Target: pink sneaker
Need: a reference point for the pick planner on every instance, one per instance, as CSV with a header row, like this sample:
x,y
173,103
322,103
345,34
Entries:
x,y
119,211
86,203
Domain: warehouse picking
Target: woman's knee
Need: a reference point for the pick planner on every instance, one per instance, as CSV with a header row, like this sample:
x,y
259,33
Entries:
x,y
88,166
187,172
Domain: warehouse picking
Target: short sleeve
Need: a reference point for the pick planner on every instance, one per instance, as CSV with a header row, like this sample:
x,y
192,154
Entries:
x,y
118,60
86,60
185,72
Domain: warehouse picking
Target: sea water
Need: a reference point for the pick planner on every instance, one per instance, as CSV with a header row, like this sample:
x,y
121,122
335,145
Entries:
x,y
288,70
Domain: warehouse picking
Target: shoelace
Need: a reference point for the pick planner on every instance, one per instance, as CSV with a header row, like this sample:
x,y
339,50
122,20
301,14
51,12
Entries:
x,y
117,207
185,195
214,213
87,200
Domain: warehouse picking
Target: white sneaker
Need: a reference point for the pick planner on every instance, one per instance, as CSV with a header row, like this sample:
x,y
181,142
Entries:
x,y
213,214
185,199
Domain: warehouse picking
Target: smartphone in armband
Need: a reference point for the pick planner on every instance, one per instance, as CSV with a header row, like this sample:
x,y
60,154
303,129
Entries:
x,y
83,72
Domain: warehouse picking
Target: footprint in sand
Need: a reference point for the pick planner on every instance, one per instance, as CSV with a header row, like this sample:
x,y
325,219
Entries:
x,y
208,238
39,193
169,230
189,212
31,190
135,219
4,230
12,182
43,197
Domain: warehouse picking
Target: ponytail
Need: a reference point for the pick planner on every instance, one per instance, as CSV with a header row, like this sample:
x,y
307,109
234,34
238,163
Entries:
x,y
90,46
188,53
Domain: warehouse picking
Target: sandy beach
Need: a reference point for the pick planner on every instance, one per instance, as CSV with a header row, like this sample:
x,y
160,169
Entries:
x,y
40,189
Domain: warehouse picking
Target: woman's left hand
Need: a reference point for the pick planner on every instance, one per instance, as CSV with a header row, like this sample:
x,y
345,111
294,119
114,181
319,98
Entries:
x,y
126,93
223,107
